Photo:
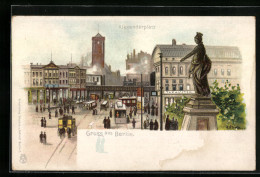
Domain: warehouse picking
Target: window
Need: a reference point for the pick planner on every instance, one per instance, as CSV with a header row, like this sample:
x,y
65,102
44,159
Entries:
x,y
229,72
174,70
174,81
49,74
49,81
215,72
128,101
36,74
167,87
66,81
222,72
33,74
63,74
60,81
46,74
66,74
40,74
166,81
181,70
60,74
180,87
41,82
180,81
97,79
173,87
63,81
133,101
188,87
34,82
166,70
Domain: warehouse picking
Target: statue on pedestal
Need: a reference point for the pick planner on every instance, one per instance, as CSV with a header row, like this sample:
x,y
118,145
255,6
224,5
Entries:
x,y
200,67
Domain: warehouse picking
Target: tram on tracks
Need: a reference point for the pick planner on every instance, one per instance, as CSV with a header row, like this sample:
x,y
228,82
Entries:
x,y
67,124
120,112
104,105
129,101
90,105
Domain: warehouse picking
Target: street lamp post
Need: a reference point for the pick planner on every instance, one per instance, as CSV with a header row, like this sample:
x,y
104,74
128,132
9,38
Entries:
x,y
161,87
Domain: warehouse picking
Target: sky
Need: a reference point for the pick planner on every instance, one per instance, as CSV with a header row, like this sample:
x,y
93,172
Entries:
x,y
34,38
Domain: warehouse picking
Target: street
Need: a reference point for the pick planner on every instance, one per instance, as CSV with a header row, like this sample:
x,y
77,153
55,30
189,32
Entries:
x,y
60,153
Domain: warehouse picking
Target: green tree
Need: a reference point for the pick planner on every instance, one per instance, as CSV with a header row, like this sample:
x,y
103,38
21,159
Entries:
x,y
229,100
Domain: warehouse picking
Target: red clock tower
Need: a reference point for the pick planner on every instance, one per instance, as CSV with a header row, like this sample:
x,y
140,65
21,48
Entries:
x,y
98,50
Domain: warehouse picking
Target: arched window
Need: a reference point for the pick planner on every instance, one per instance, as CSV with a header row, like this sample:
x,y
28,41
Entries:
x,y
181,70
174,70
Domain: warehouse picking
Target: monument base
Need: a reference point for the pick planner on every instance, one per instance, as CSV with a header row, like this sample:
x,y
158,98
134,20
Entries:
x,y
200,114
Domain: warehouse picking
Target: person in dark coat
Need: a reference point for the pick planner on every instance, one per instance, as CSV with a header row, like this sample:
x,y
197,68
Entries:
x,y
50,115
49,108
156,125
44,138
43,107
41,138
130,114
108,123
69,132
167,123
56,113
176,124
151,124
93,112
145,109
36,109
156,110
110,113
73,109
42,122
135,110
148,106
152,113
105,122
133,122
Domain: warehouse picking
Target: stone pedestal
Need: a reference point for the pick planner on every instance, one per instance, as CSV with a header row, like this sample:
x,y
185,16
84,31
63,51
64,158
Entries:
x,y
200,114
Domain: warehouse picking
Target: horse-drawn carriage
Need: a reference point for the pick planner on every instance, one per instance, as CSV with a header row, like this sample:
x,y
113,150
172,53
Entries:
x,y
67,124
90,105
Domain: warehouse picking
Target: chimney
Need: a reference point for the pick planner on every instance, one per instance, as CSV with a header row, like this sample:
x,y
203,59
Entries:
x,y
31,63
134,53
173,42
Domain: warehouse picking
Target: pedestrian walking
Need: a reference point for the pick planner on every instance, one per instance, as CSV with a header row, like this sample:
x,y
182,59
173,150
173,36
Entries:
x,y
133,122
151,124
73,109
36,109
130,114
156,110
41,137
50,115
135,110
148,106
167,123
156,125
145,124
44,138
110,113
108,123
105,122
43,107
152,113
56,113
42,122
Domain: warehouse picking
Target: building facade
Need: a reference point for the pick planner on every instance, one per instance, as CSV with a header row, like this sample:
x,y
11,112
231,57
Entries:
x,y
226,63
98,50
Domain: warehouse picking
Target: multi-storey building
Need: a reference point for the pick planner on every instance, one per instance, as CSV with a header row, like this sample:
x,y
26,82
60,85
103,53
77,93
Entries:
x,y
94,79
226,63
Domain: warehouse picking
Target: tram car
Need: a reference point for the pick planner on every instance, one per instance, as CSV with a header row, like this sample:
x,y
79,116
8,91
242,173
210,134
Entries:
x,y
104,105
128,101
120,113
90,105
67,124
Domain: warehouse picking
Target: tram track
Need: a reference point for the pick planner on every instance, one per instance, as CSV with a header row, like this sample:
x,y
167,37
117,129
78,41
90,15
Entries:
x,y
57,147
